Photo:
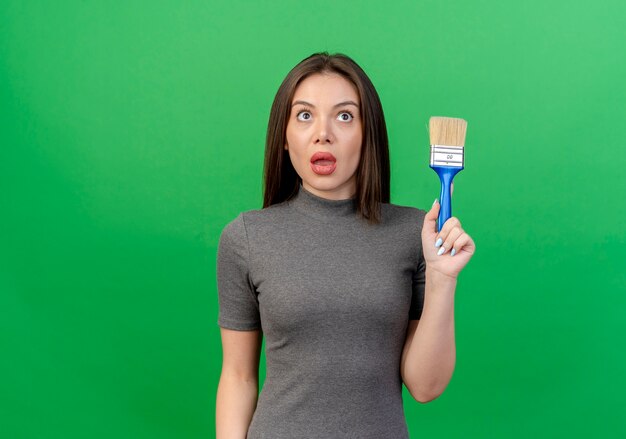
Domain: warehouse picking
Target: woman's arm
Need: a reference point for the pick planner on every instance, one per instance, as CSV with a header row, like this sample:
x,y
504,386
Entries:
x,y
238,388
429,353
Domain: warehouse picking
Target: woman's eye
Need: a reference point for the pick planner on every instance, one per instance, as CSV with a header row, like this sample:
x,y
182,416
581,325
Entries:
x,y
304,115
345,116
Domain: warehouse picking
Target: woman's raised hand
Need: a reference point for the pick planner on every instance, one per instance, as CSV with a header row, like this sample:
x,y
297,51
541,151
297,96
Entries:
x,y
448,251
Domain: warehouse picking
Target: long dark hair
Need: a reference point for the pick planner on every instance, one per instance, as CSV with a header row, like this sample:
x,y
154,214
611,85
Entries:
x,y
281,182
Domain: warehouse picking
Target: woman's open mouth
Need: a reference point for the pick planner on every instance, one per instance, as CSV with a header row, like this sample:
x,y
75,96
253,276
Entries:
x,y
323,163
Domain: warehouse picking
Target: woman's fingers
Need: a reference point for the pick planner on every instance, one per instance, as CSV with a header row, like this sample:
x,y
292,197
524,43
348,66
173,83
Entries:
x,y
450,224
450,240
450,231
461,242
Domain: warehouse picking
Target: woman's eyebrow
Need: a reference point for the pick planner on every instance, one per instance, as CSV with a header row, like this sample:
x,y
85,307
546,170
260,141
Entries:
x,y
340,104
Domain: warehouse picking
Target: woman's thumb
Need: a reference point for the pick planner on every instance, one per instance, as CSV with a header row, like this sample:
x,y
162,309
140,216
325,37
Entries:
x,y
430,219
433,213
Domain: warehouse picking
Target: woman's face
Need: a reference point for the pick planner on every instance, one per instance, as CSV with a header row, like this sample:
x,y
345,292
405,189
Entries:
x,y
324,135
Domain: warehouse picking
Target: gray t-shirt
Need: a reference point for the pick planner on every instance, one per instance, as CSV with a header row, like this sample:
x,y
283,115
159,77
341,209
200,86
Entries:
x,y
333,296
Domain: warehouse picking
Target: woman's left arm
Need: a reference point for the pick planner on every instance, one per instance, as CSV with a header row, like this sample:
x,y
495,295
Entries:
x,y
429,353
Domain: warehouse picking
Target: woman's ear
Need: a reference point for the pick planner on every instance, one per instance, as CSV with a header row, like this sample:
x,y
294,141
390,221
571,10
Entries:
x,y
286,147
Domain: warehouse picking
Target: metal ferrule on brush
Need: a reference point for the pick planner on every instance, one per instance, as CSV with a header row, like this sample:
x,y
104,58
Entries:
x,y
442,155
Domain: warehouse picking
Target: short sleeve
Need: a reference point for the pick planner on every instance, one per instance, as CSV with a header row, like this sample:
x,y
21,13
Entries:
x,y
238,302
419,281
417,299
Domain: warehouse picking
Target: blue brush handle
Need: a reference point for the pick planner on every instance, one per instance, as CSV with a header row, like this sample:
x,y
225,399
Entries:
x,y
446,174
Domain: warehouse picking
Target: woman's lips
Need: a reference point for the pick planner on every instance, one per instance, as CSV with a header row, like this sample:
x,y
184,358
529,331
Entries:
x,y
323,163
323,169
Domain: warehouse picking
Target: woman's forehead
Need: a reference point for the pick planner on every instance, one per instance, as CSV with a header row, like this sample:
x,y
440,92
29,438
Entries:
x,y
322,87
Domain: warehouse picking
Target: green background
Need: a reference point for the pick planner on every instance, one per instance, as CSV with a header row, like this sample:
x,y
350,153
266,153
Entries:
x,y
132,132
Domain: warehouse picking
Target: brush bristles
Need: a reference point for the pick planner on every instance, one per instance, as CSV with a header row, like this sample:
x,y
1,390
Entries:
x,y
448,131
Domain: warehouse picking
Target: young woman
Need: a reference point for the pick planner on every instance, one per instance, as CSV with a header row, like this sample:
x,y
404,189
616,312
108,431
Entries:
x,y
354,295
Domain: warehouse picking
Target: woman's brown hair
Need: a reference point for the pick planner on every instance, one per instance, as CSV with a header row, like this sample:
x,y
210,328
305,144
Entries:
x,y
281,182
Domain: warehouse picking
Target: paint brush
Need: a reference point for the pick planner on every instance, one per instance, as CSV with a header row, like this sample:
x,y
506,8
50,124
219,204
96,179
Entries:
x,y
447,141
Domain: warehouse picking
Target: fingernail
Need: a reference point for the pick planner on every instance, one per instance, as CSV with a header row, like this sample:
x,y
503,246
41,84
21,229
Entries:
x,y
438,243
435,202
441,250
453,252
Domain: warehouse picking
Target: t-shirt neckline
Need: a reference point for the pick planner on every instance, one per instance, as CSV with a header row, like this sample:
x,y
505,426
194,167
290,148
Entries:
x,y
323,208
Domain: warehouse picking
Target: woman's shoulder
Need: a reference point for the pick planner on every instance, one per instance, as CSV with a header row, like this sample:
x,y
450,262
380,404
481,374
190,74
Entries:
x,y
254,218
396,213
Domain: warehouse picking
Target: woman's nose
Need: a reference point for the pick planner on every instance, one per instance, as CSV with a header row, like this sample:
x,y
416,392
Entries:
x,y
323,131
